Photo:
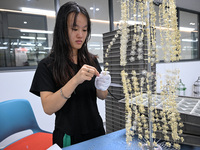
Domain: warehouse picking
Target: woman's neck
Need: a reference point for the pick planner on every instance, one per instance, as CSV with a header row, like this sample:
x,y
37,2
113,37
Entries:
x,y
75,59
74,56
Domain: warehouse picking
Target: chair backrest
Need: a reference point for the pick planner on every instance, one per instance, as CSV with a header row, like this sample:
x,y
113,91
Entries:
x,y
16,115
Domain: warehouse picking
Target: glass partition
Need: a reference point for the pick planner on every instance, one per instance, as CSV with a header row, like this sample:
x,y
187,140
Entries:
x,y
189,31
25,32
26,29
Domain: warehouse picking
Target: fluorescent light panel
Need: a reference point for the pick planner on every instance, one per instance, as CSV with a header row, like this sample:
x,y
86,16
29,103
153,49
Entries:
x,y
32,38
96,35
27,44
36,31
186,29
27,37
41,38
189,40
39,11
3,47
192,23
96,45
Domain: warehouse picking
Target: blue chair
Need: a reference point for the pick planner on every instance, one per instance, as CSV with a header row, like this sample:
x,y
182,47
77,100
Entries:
x,y
17,115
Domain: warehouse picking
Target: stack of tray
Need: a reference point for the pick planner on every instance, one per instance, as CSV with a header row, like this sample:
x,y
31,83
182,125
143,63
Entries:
x,y
115,111
189,109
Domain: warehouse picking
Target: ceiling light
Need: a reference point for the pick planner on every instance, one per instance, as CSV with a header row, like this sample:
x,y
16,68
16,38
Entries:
x,y
91,8
36,31
186,29
189,40
133,22
15,43
3,47
97,9
192,23
96,35
27,37
41,38
25,22
27,44
99,21
38,11
95,45
47,48
32,38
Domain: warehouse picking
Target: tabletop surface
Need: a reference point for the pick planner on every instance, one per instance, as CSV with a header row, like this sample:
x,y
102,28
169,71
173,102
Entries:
x,y
115,141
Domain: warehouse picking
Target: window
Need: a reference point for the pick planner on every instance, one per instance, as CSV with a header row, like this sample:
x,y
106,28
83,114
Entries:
x,y
189,30
25,33
21,44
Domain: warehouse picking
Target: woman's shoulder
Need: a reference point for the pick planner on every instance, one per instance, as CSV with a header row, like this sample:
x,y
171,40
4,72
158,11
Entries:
x,y
46,62
94,57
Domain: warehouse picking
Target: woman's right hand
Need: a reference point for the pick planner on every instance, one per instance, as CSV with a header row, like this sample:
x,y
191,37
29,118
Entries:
x,y
85,73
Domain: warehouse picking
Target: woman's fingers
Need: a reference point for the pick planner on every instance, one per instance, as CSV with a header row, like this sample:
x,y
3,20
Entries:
x,y
86,73
90,71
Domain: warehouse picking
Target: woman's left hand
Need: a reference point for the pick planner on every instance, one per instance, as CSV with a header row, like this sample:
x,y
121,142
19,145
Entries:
x,y
102,82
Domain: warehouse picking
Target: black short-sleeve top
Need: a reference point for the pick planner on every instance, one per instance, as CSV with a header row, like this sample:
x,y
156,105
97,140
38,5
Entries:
x,y
80,113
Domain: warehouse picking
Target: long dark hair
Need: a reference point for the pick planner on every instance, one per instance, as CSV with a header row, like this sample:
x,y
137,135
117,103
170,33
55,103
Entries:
x,y
61,48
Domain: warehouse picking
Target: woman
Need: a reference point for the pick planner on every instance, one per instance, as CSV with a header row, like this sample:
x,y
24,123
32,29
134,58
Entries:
x,y
66,80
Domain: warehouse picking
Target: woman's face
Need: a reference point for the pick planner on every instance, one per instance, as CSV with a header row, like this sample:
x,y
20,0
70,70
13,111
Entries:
x,y
77,34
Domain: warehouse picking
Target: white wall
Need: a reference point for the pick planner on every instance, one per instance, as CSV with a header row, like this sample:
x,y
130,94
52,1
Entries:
x,y
189,73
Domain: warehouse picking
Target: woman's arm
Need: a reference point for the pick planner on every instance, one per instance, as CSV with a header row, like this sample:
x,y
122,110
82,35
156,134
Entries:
x,y
52,102
102,94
